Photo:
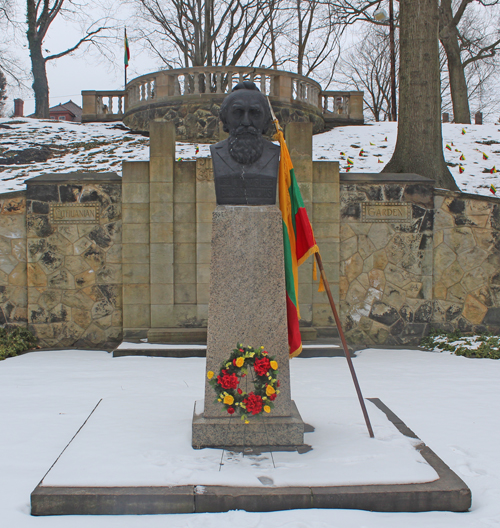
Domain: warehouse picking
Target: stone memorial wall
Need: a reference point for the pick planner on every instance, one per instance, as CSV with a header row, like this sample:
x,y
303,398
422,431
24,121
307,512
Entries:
x,y
466,262
74,262
401,257
386,257
13,289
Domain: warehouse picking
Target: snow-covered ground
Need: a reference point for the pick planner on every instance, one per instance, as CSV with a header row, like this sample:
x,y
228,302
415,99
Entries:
x,y
451,402
103,146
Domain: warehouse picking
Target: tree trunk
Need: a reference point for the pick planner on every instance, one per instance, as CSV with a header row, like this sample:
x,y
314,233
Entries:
x,y
419,146
448,34
40,83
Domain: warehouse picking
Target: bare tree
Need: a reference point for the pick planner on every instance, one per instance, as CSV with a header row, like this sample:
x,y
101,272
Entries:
x,y
466,39
367,68
3,92
8,61
465,44
40,14
313,34
419,146
203,33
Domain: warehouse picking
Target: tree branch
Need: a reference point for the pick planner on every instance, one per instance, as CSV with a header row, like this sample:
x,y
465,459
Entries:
x,y
87,38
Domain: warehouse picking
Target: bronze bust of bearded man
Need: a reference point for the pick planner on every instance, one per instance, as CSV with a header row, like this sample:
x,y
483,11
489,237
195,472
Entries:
x,y
245,165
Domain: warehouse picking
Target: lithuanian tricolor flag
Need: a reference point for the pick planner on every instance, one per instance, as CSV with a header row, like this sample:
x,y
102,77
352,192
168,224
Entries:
x,y
298,241
126,56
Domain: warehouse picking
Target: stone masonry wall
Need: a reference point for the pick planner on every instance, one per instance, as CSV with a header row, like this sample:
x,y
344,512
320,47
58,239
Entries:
x,y
13,290
198,119
74,260
466,262
385,259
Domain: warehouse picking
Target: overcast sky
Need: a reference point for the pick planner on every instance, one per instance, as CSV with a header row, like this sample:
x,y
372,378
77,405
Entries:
x,y
86,69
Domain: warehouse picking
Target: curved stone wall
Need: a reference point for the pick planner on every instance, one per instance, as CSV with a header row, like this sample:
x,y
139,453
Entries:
x,y
197,119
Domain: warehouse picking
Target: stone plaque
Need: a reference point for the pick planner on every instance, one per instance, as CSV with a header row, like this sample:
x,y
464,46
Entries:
x,y
74,213
386,212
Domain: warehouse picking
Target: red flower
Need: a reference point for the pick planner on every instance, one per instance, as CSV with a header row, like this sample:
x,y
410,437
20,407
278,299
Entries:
x,y
273,397
230,410
240,391
278,383
228,381
253,403
261,366
264,352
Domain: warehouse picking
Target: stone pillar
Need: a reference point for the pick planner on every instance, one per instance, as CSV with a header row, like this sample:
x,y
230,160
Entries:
x,y
89,105
161,217
248,305
184,308
326,225
283,87
299,141
136,278
205,205
356,105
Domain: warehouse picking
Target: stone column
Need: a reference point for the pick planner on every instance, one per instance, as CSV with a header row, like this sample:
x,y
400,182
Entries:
x,y
205,205
135,250
326,224
356,106
161,182
299,141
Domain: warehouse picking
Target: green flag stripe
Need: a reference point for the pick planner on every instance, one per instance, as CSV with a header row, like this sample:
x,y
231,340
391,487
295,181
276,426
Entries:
x,y
295,197
289,280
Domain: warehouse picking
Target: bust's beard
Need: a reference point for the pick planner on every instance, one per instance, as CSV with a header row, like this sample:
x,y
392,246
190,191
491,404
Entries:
x,y
248,149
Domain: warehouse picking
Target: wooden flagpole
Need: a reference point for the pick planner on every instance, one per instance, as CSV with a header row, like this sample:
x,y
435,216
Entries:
x,y
336,316
344,344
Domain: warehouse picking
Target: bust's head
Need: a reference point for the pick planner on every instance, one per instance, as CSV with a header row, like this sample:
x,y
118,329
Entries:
x,y
245,106
246,116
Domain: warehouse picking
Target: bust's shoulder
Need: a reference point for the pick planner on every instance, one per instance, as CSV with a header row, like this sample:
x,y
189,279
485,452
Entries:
x,y
221,145
272,146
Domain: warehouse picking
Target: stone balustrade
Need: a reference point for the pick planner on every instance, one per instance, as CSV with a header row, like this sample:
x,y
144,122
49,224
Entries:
x,y
105,105
346,105
220,80
201,87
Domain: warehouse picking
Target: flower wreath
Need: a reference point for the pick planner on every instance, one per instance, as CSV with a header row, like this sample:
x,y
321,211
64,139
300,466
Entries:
x,y
261,367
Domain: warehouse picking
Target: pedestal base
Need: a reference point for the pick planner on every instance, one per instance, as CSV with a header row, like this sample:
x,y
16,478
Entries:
x,y
266,431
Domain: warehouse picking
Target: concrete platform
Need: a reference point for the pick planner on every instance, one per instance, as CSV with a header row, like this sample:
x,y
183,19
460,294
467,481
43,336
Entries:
x,y
446,493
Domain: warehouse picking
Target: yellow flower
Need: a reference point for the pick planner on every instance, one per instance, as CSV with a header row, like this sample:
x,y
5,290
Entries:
x,y
270,390
267,408
239,362
210,374
274,365
228,399
247,422
262,347
219,400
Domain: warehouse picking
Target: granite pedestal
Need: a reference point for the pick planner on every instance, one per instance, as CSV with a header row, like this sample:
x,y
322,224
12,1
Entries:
x,y
247,305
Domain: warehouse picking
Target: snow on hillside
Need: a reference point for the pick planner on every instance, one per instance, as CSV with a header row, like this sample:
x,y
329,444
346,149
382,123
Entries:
x,y
101,147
